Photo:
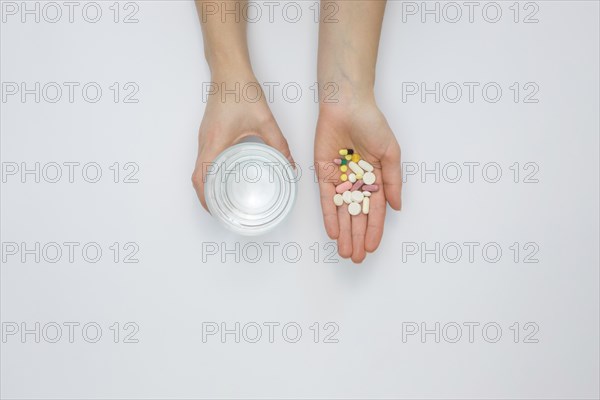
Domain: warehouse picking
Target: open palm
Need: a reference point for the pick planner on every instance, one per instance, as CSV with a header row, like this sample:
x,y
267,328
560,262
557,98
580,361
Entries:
x,y
363,128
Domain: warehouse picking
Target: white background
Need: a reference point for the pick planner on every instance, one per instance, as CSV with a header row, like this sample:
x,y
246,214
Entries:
x,y
172,291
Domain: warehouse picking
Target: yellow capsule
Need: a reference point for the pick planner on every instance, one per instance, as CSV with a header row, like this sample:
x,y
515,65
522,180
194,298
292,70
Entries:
x,y
344,177
348,157
344,168
358,176
343,152
355,157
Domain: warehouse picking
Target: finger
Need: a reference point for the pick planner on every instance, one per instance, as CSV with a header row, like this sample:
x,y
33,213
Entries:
x,y
273,136
198,181
359,228
345,236
202,170
392,177
375,221
327,191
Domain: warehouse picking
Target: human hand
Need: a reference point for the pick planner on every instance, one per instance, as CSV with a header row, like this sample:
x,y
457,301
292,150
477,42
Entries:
x,y
361,126
227,121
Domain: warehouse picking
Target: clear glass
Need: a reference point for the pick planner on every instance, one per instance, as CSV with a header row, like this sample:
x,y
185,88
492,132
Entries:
x,y
250,188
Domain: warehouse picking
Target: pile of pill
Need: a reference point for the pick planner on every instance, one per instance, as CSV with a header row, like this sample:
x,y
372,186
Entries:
x,y
358,182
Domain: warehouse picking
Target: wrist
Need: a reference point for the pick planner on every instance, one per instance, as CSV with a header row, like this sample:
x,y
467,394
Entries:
x,y
228,64
355,83
238,85
344,93
232,73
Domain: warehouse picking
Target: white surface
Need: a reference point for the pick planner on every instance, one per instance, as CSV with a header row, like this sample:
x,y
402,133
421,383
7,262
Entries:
x,y
178,285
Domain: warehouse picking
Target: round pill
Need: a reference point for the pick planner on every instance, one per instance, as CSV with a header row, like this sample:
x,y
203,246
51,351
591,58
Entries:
x,y
369,178
338,200
365,165
352,178
356,158
348,157
359,176
366,194
343,168
343,152
350,151
344,177
365,205
354,208
357,196
347,197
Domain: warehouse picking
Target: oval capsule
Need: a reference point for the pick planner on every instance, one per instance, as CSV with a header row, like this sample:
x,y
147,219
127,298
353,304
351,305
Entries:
x,y
365,205
371,188
365,165
355,168
357,185
342,187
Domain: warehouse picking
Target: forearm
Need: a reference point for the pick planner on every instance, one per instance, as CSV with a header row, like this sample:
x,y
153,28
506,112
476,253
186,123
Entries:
x,y
348,48
225,40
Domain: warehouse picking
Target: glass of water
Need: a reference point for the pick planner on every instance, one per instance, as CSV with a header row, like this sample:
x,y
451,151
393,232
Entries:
x,y
250,188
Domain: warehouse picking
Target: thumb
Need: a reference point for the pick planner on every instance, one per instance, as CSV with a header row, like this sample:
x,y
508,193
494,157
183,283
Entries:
x,y
392,176
204,167
273,137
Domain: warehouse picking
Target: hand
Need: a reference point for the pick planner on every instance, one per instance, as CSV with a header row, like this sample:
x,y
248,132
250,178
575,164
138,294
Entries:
x,y
358,125
228,120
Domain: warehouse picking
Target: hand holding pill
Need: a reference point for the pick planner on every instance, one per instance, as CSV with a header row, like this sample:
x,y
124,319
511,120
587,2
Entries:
x,y
353,123
353,200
